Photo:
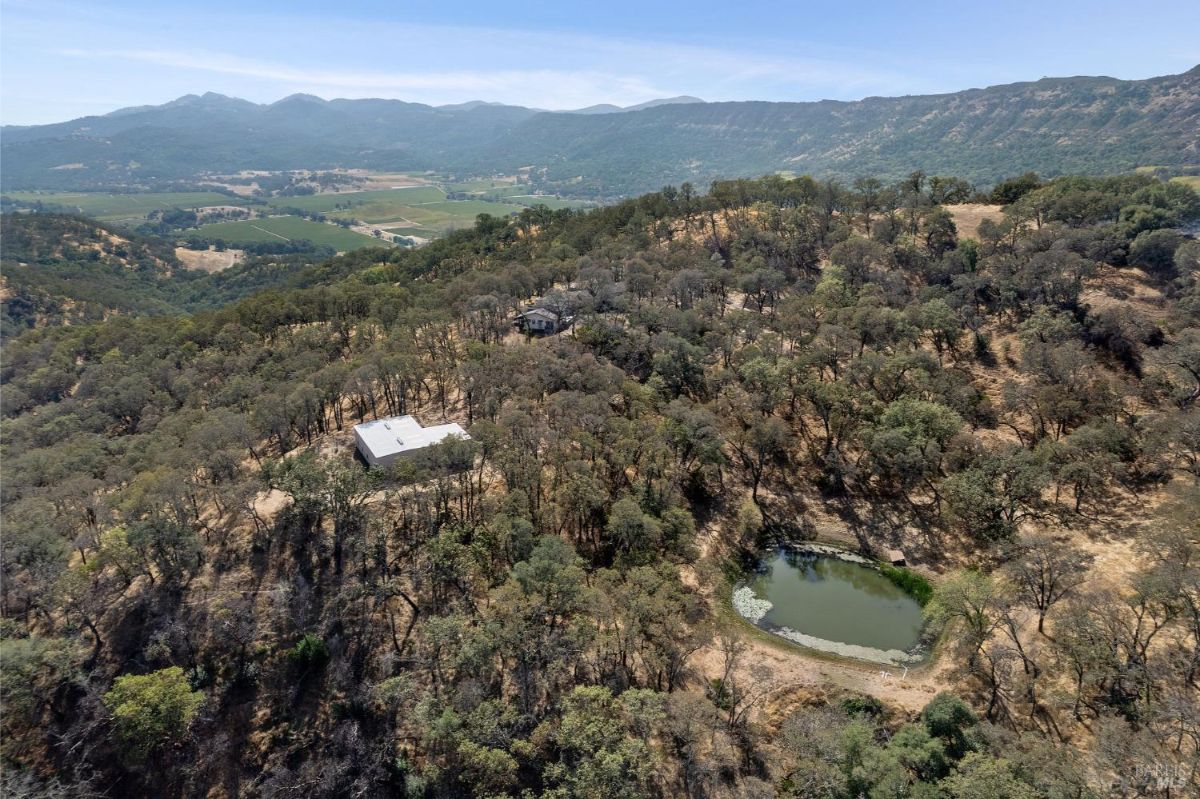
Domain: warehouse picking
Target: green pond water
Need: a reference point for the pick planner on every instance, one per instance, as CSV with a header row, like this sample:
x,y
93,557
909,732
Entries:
x,y
835,605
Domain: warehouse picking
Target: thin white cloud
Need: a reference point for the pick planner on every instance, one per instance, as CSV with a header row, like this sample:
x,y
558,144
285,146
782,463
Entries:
x,y
581,69
569,85
263,56
376,80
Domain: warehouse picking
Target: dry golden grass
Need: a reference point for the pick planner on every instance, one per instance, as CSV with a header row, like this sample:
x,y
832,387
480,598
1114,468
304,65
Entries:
x,y
968,216
1131,289
208,260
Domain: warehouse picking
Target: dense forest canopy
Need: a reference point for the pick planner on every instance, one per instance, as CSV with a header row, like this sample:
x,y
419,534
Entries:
x,y
1054,125
205,594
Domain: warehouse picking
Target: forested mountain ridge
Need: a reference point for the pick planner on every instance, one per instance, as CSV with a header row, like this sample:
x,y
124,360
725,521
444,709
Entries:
x,y
214,133
1054,126
205,595
41,237
59,269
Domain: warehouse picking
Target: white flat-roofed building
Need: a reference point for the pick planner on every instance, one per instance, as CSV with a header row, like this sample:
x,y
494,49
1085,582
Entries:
x,y
382,441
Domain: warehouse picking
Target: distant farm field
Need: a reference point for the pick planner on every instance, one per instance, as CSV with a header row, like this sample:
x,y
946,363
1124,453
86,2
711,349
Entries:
x,y
121,207
287,228
452,214
361,203
483,185
416,210
516,194
553,203
490,190
409,231
421,209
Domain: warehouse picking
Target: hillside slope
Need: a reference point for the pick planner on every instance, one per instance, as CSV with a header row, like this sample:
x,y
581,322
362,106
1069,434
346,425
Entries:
x,y
65,269
60,270
202,593
1054,126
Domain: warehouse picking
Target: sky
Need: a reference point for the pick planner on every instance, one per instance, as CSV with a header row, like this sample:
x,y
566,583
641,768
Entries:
x,y
62,60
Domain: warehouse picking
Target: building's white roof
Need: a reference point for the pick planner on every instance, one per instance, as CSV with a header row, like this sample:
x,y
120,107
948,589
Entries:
x,y
401,434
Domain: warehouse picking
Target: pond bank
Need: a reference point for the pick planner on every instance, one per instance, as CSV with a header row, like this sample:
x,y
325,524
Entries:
x,y
837,603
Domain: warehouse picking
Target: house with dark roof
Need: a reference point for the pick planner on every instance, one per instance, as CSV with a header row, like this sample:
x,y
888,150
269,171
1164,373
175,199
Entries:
x,y
542,321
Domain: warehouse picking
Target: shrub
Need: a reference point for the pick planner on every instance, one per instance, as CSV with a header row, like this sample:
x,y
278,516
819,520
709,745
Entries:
x,y
862,706
949,718
152,710
1154,251
310,651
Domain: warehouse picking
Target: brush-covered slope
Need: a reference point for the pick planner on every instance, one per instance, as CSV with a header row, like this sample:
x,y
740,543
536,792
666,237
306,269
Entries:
x,y
1052,126
203,594
62,270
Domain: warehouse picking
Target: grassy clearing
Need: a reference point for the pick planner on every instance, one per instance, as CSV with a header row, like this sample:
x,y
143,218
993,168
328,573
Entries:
x,y
122,207
1189,180
967,217
287,228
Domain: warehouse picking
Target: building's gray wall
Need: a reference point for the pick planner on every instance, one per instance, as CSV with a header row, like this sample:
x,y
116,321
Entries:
x,y
364,450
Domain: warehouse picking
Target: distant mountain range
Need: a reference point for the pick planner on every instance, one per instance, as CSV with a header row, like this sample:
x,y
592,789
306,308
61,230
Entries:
x,y
1053,125
602,108
609,108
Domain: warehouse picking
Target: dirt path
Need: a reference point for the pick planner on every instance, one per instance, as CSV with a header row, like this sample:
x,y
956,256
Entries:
x,y
270,233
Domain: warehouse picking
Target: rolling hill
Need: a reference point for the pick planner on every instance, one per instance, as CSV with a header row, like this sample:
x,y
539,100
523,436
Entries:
x,y
1053,126
60,270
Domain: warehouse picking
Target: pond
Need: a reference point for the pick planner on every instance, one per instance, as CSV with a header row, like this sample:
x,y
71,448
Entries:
x,y
833,601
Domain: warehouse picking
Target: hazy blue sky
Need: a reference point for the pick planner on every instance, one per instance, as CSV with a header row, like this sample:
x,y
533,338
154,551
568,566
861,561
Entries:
x,y
60,60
